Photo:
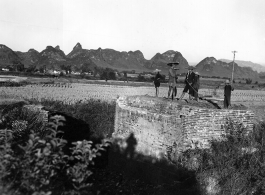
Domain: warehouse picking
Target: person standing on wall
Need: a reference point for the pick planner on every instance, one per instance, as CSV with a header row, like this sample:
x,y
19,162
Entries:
x,y
175,89
125,77
189,79
227,94
195,86
171,78
157,80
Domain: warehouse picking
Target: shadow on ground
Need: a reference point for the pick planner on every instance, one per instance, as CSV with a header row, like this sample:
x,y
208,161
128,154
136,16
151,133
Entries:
x,y
129,172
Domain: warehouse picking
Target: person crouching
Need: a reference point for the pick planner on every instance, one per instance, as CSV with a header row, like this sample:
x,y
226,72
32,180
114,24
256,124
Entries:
x,y
189,79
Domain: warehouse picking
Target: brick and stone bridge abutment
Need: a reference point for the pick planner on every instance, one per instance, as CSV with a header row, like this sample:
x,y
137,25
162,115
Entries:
x,y
159,125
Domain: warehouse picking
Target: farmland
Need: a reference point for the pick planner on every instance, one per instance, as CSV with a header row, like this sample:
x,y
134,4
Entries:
x,y
79,91
76,92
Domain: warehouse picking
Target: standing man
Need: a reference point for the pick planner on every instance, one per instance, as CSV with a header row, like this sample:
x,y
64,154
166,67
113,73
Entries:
x,y
176,91
172,78
227,94
125,77
189,80
157,80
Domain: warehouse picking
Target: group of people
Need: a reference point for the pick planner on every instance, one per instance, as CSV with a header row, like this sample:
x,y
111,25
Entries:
x,y
192,84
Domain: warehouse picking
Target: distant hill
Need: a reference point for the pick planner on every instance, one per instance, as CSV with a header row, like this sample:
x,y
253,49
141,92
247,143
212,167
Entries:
x,y
29,58
212,67
7,56
50,58
254,66
107,58
160,61
53,58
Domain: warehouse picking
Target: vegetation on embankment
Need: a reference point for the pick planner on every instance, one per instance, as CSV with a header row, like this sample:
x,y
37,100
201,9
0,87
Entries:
x,y
99,115
33,161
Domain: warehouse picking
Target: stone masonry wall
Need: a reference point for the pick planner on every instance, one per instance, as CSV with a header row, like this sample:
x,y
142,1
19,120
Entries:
x,y
202,125
159,125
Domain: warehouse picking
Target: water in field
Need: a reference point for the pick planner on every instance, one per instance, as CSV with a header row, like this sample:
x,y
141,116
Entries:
x,y
5,78
11,78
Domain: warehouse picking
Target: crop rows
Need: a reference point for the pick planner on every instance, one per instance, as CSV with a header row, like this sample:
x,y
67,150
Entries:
x,y
83,92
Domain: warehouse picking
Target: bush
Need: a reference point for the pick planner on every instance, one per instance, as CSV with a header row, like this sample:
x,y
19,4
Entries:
x,y
234,165
248,81
39,165
141,78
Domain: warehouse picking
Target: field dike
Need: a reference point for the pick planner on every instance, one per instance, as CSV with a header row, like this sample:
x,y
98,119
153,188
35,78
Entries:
x,y
162,127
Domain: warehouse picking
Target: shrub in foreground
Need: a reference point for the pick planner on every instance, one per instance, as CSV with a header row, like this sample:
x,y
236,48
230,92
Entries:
x,y
39,165
234,165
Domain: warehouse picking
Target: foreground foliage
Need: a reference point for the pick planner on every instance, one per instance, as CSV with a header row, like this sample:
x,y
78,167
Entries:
x,y
234,165
32,159
34,162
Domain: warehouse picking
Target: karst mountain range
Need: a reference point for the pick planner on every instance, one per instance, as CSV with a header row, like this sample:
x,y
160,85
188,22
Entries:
x,y
53,58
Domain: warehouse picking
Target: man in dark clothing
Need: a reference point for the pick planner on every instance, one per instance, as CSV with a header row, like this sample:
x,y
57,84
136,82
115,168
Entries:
x,y
227,94
157,80
188,81
176,90
195,86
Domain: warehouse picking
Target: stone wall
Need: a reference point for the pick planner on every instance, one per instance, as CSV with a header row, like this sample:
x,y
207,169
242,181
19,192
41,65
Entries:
x,y
203,125
158,125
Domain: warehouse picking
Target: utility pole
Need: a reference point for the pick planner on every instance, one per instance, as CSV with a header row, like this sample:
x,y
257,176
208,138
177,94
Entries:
x,y
234,52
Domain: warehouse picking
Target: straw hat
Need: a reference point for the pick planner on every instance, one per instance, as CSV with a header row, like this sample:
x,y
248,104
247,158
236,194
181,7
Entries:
x,y
173,63
157,70
196,73
191,68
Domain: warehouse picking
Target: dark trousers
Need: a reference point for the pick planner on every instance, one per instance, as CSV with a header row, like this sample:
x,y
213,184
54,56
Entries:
x,y
227,102
195,93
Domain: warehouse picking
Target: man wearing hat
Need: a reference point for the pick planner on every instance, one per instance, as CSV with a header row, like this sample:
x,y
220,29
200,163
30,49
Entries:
x,y
172,79
157,79
189,79
227,94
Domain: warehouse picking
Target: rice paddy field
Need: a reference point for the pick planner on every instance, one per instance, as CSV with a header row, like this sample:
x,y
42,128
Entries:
x,y
73,92
76,92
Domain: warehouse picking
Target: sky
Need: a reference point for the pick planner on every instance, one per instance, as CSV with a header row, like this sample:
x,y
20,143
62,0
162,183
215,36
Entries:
x,y
195,28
